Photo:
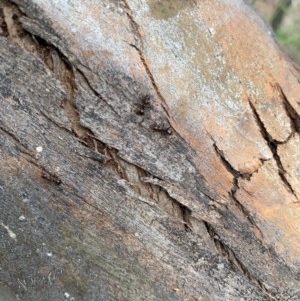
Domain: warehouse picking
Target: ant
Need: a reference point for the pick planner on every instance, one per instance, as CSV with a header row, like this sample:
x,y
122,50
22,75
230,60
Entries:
x,y
145,103
162,128
51,177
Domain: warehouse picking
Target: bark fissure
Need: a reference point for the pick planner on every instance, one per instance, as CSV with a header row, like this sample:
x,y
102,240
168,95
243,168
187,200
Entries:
x,y
65,73
11,135
52,121
185,215
14,31
137,33
10,25
65,69
233,260
97,94
232,193
236,174
291,112
52,177
44,173
146,190
85,135
185,211
272,144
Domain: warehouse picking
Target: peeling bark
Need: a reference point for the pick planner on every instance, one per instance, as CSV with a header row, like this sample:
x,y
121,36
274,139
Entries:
x,y
149,151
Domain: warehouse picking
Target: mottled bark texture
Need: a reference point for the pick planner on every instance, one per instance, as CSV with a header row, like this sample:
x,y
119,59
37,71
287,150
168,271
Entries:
x,y
149,151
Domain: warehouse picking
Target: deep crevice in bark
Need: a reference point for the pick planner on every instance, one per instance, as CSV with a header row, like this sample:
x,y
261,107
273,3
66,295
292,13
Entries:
x,y
185,213
291,112
235,263
273,147
236,176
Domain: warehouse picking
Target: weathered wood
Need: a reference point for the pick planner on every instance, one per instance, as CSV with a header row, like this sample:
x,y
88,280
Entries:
x,y
149,151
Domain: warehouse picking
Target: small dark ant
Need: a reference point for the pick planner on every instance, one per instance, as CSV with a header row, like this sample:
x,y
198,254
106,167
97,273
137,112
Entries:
x,y
162,128
51,177
145,103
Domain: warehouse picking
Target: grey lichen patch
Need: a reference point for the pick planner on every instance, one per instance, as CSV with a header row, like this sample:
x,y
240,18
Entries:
x,y
169,8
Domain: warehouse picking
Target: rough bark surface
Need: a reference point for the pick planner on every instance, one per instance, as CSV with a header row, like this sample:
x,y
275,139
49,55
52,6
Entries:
x,y
149,151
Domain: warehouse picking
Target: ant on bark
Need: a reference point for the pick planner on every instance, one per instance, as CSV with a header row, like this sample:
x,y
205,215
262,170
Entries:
x,y
145,103
162,128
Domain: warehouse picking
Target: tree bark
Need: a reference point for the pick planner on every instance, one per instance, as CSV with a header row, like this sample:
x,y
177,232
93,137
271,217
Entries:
x,y
149,151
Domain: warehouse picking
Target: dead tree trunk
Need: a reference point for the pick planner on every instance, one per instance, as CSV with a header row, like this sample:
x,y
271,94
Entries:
x,y
149,151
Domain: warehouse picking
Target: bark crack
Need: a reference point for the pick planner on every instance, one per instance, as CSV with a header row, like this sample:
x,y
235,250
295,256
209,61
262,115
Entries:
x,y
291,112
232,193
139,39
235,263
32,158
45,174
96,93
13,30
52,121
185,202
184,211
24,148
272,144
